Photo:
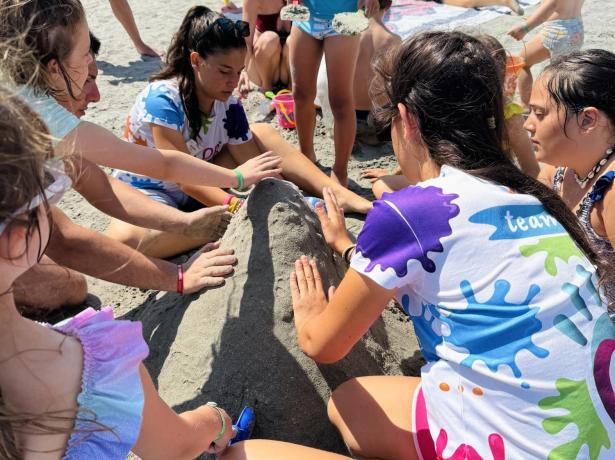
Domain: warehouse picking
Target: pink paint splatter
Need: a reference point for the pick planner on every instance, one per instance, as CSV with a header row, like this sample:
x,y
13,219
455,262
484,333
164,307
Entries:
x,y
466,452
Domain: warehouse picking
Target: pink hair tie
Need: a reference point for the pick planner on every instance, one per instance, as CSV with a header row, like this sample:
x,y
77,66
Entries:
x,y
228,199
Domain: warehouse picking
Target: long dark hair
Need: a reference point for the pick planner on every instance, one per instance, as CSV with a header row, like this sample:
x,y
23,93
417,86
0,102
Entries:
x,y
583,79
34,32
449,83
190,37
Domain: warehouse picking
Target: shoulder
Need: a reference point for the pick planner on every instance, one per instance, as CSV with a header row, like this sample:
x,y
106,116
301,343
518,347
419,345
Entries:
x,y
161,103
547,175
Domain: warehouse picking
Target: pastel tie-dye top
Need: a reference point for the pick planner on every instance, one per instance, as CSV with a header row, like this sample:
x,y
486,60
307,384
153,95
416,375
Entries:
x,y
111,397
161,104
508,315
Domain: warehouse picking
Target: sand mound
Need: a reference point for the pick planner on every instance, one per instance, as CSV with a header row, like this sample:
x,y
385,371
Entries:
x,y
236,345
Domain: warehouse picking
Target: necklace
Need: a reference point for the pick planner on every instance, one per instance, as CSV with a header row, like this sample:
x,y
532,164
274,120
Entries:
x,y
597,167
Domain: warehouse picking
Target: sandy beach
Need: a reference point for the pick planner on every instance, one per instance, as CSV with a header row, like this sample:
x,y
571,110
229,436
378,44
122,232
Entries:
x,y
123,74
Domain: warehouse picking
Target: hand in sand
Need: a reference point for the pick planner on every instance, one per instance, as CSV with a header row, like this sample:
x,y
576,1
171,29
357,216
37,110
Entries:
x,y
145,50
245,85
332,222
229,433
374,174
208,268
519,31
208,223
307,292
265,165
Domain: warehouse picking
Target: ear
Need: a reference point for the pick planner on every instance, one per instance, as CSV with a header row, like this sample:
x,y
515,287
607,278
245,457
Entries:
x,y
409,125
12,241
588,119
194,59
53,68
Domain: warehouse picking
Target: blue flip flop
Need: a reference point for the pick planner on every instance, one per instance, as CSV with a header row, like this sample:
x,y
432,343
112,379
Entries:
x,y
244,425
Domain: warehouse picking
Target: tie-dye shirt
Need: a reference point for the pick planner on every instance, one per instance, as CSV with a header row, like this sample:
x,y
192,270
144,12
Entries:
x,y
160,103
508,315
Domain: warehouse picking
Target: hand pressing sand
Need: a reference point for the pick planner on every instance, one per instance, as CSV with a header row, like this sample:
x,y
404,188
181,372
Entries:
x,y
295,12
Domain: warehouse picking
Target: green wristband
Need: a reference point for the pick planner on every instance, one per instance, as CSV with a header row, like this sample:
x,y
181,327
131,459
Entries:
x,y
222,419
526,27
240,179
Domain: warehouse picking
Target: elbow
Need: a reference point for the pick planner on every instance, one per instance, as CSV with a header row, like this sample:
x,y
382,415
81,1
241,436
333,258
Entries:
x,y
318,352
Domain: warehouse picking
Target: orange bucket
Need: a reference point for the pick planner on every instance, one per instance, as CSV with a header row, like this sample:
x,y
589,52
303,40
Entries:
x,y
514,64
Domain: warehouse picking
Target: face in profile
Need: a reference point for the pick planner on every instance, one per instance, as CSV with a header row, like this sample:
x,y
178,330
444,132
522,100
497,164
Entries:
x,y
218,75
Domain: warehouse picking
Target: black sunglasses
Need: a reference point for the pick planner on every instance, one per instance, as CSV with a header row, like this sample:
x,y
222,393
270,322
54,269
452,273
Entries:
x,y
226,25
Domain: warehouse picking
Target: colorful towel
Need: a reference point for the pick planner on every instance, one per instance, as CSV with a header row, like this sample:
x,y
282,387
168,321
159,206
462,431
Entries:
x,y
407,17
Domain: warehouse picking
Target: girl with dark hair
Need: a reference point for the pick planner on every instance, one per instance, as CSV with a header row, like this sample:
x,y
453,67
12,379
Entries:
x,y
572,124
77,389
189,107
496,273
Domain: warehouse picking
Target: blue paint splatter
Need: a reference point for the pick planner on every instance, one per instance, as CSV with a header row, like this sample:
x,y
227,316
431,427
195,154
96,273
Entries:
x,y
575,297
423,328
495,331
569,329
236,122
525,385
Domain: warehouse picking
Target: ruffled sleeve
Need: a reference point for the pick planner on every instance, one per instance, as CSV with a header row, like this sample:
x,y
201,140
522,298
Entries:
x,y
111,397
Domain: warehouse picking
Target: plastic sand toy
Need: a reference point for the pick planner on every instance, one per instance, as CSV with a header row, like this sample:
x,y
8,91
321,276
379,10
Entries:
x,y
295,12
350,23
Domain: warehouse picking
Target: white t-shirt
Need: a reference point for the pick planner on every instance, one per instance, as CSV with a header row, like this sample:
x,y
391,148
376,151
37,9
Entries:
x,y
160,103
506,310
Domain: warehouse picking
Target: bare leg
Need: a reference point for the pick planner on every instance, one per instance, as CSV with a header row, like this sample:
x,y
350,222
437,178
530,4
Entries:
x,y
388,184
512,4
123,13
341,55
285,66
49,286
374,416
261,449
267,56
301,171
533,53
305,56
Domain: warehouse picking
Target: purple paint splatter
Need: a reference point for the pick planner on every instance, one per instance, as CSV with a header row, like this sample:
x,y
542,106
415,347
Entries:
x,y
407,225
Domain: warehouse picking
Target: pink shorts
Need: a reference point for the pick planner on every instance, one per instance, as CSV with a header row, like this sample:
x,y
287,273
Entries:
x,y
423,441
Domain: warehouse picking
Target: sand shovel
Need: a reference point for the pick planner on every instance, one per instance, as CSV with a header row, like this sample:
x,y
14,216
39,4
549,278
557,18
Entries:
x,y
295,12
350,23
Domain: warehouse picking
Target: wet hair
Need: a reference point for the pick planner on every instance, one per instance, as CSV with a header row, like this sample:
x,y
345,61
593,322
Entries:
x,y
33,33
583,79
94,44
448,82
385,4
190,38
498,53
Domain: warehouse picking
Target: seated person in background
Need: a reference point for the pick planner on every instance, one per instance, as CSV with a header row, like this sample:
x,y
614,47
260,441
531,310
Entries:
x,y
189,107
267,57
375,40
517,142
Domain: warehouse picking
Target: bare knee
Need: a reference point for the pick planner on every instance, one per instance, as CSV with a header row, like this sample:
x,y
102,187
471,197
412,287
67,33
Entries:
x,y
342,105
267,45
263,129
125,233
337,401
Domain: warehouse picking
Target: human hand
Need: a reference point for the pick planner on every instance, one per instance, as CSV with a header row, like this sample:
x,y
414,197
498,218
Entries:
x,y
265,165
208,223
332,222
245,85
229,433
519,31
374,174
208,268
307,291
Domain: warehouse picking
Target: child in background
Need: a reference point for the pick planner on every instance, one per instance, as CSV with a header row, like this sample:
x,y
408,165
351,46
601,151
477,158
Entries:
x,y
77,389
562,32
518,142
375,40
308,41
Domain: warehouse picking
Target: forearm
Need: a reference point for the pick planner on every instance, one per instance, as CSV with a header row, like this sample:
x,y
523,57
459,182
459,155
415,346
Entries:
x,y
117,199
209,196
542,13
76,247
102,147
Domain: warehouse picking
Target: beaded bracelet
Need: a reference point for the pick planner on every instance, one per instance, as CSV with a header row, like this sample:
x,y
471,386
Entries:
x,y
347,253
223,429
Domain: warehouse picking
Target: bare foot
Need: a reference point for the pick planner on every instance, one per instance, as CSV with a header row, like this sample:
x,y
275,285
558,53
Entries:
x,y
351,202
207,223
146,50
339,179
514,5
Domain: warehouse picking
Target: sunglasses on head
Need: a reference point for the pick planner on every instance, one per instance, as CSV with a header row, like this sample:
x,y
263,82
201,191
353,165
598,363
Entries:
x,y
55,181
226,25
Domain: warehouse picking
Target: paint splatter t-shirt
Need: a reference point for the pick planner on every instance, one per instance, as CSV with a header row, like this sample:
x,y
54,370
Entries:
x,y
160,103
508,315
